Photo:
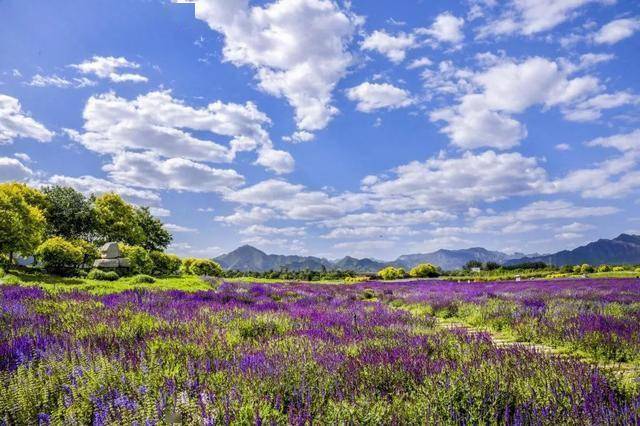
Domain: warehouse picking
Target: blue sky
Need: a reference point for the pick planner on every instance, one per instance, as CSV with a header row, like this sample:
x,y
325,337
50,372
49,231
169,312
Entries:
x,y
333,128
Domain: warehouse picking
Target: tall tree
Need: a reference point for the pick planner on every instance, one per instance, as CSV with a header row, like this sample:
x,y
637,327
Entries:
x,y
69,213
117,220
156,237
22,223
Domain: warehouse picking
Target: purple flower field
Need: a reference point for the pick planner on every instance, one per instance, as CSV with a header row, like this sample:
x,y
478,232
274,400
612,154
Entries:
x,y
370,353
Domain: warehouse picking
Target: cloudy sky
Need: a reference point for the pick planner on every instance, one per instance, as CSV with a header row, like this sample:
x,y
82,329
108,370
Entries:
x,y
329,128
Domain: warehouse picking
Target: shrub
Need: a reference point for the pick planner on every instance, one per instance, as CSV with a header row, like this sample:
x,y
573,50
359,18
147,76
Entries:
x,y
164,264
424,270
391,273
143,279
1,272
352,280
618,268
205,267
89,252
586,268
638,270
139,260
97,274
185,267
59,256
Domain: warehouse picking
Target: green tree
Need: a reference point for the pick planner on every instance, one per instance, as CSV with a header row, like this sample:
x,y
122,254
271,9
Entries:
x,y
604,268
89,251
139,259
59,256
205,267
391,273
424,270
156,237
164,264
22,223
69,213
117,220
472,264
586,269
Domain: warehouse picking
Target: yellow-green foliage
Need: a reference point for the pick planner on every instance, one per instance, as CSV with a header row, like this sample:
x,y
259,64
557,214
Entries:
x,y
353,280
59,255
391,273
424,270
22,222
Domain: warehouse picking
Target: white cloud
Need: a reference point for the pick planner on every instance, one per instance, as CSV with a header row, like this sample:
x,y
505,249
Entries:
x,y
483,119
12,169
39,80
419,63
463,181
160,212
298,49
576,227
15,123
373,96
617,30
164,125
445,29
150,171
563,147
287,231
92,185
171,227
300,136
529,17
591,109
109,67
294,201
255,215
393,47
368,232
590,59
389,219
23,157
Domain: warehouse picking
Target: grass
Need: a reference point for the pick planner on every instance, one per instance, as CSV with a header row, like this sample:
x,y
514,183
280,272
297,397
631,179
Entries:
x,y
53,284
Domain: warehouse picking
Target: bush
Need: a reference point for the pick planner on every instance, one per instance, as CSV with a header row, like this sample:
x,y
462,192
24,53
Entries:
x,y
59,256
586,269
205,267
89,252
618,268
143,279
164,264
424,270
391,273
139,260
353,280
97,274
1,272
185,267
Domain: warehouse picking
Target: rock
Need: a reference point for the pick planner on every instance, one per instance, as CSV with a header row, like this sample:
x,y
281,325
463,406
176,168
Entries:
x,y
110,251
106,263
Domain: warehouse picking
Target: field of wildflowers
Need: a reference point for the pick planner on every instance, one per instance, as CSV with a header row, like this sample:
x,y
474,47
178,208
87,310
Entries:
x,y
368,353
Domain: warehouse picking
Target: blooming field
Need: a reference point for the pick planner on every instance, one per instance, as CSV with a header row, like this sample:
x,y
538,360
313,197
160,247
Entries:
x,y
302,353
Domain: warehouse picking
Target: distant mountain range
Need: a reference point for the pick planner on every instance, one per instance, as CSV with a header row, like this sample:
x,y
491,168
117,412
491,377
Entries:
x,y
623,249
248,258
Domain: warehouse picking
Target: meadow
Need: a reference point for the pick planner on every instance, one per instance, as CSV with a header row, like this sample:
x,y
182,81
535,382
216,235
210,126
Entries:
x,y
301,353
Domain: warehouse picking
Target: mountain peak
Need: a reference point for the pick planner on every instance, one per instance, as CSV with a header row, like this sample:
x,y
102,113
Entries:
x,y
628,238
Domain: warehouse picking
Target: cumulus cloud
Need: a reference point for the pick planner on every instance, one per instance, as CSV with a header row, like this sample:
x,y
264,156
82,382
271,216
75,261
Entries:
x,y
591,109
13,169
374,96
617,30
172,227
393,47
462,181
446,28
254,215
285,231
15,123
484,118
109,67
529,17
298,49
159,123
147,170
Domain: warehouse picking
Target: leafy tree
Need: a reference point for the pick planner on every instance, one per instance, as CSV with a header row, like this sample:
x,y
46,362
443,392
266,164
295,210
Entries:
x,y
604,268
205,267
391,273
472,264
586,268
186,264
59,256
69,213
566,269
156,237
139,259
89,251
491,266
424,270
164,264
117,220
22,222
